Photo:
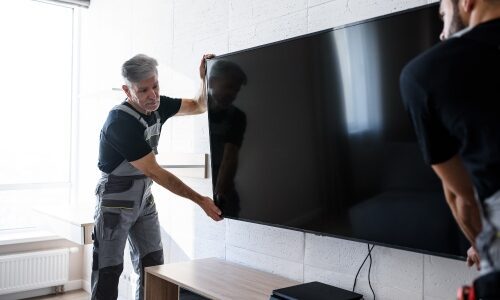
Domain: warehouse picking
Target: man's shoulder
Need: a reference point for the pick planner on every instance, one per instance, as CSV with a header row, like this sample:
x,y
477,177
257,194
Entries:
x,y
486,33
118,118
118,115
438,59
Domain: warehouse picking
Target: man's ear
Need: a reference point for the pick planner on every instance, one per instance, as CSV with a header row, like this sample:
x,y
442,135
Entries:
x,y
467,5
126,89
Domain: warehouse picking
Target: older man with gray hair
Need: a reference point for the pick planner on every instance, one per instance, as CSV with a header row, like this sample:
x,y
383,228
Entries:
x,y
125,205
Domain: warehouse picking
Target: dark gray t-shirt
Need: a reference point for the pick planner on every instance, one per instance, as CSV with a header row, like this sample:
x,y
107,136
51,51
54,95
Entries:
x,y
452,93
122,136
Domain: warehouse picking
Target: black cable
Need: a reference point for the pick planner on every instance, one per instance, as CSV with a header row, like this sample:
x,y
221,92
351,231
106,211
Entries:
x,y
362,264
370,268
356,278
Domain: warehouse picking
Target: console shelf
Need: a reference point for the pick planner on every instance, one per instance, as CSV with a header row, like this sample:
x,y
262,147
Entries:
x,y
212,278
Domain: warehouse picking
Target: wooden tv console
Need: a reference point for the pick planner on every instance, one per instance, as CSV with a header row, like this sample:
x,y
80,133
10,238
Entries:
x,y
212,278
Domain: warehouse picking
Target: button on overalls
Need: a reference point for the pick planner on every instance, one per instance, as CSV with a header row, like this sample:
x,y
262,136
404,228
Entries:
x,y
125,209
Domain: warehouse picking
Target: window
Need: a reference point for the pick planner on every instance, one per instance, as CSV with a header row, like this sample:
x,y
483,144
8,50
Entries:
x,y
36,101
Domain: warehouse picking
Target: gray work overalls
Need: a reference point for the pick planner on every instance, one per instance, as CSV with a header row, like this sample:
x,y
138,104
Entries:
x,y
125,208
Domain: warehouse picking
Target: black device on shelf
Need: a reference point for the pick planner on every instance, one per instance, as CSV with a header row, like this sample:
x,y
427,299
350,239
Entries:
x,y
314,291
311,134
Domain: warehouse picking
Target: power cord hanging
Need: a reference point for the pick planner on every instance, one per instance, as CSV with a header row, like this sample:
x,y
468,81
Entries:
x,y
370,268
369,255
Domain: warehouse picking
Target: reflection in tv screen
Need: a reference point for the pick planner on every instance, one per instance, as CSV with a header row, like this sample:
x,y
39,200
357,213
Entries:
x,y
311,134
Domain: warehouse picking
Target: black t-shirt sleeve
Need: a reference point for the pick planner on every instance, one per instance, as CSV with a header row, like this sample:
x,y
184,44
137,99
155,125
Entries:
x,y
435,140
126,136
168,107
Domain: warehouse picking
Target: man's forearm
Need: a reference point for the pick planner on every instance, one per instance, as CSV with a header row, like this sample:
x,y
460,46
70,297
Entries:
x,y
470,220
174,184
466,213
459,192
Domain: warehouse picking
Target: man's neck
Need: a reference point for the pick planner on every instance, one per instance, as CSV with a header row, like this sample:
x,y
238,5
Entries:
x,y
136,107
484,13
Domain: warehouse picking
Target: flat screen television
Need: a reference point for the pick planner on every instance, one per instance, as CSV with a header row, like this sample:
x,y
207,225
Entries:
x,y
311,134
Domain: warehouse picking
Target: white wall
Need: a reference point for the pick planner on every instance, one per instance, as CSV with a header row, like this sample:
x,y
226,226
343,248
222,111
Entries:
x,y
177,33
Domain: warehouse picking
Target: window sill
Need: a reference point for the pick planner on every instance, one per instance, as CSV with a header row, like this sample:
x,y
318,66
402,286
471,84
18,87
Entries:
x,y
12,237
69,222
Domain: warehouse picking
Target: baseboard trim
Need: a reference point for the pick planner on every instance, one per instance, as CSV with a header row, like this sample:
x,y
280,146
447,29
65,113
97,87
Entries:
x,y
28,294
69,286
86,286
73,285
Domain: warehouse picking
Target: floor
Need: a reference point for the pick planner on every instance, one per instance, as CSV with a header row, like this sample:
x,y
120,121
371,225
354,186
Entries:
x,y
82,295
73,295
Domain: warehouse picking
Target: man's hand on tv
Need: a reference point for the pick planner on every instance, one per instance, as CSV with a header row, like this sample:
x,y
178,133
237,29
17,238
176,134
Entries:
x,y
210,208
473,258
203,65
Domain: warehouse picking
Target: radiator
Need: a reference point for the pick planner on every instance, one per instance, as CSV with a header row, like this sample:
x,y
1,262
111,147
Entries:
x,y
33,270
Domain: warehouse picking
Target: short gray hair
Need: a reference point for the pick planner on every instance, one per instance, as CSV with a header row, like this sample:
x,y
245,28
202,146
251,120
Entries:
x,y
138,68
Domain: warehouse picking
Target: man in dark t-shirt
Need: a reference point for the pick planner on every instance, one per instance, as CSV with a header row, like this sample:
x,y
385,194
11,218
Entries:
x,y
120,129
452,94
125,207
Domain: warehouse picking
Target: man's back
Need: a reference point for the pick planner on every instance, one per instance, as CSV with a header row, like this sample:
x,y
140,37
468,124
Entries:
x,y
453,91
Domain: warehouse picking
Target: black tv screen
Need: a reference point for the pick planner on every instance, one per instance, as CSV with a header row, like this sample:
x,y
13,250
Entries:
x,y
311,134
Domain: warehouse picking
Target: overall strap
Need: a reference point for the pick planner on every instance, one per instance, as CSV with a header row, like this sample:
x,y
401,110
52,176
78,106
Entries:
x,y
133,113
136,115
157,115
151,132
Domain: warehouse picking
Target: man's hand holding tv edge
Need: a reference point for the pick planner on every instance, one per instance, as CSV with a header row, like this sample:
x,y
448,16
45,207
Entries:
x,y
473,258
207,204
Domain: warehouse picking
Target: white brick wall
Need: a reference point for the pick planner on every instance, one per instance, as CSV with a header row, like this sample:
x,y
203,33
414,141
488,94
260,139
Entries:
x,y
271,241
179,32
